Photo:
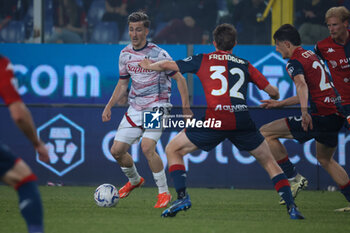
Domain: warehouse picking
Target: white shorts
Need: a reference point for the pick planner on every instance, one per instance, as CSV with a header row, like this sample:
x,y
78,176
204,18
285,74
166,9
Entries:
x,y
130,128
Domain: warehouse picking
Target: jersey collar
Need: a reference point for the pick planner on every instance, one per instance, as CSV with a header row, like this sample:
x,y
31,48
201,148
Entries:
x,y
141,48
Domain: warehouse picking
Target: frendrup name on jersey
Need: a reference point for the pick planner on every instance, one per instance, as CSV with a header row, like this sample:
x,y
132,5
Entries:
x,y
224,57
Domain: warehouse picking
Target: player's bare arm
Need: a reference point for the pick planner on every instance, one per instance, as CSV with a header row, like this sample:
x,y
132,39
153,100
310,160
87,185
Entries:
x,y
303,95
117,98
182,86
272,91
159,66
23,119
271,103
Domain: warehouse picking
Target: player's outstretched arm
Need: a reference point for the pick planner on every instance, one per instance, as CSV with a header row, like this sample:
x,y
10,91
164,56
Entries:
x,y
159,66
272,91
23,119
279,103
118,97
182,86
303,95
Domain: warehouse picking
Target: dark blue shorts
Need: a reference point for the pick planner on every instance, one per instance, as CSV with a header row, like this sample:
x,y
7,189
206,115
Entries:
x,y
325,129
207,139
7,159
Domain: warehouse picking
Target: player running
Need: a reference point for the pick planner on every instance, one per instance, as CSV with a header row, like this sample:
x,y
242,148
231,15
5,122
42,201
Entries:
x,y
13,170
150,91
325,121
225,78
335,51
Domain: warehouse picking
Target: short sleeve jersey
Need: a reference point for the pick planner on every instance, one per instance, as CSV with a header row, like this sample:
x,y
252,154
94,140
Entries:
x,y
337,57
321,94
225,79
8,83
148,88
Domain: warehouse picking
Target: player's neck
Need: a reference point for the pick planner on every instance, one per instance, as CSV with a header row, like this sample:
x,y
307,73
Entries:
x,y
138,48
292,50
342,39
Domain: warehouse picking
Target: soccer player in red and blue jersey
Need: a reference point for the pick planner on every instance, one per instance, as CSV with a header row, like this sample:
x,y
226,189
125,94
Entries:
x,y
225,78
335,51
323,125
13,170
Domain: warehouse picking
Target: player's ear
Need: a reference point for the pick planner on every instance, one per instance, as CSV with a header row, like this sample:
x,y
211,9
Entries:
x,y
287,43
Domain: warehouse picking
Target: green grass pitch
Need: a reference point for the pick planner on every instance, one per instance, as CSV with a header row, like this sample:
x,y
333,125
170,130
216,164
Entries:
x,y
73,210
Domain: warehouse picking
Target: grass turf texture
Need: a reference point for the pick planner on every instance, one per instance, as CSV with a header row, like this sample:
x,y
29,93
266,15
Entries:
x,y
73,210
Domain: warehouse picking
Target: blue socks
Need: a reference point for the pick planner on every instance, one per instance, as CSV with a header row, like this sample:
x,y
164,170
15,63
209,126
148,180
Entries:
x,y
283,188
178,174
30,204
287,167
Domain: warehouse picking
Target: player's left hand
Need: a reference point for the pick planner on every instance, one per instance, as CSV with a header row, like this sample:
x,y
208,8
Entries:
x,y
306,121
145,63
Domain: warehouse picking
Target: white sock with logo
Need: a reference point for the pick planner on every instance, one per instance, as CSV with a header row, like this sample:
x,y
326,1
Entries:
x,y
160,180
132,174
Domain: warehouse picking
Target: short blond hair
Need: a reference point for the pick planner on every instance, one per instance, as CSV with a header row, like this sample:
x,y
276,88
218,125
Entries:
x,y
340,12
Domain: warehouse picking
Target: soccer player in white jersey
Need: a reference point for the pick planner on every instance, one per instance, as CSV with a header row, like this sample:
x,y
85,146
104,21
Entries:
x,y
150,90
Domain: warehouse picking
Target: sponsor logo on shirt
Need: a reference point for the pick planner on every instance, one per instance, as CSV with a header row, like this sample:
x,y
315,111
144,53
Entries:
x,y
232,108
138,69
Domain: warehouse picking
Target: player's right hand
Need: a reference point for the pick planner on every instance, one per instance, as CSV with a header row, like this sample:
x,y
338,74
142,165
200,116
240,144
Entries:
x,y
269,103
306,121
43,152
145,63
106,115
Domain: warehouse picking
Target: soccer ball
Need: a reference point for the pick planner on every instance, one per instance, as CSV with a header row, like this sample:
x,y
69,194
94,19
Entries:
x,y
106,195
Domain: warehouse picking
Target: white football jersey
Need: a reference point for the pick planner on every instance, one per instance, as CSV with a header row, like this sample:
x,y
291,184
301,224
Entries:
x,y
148,88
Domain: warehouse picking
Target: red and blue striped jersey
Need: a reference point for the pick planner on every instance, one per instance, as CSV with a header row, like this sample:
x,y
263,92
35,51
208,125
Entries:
x,y
225,79
337,57
322,96
8,82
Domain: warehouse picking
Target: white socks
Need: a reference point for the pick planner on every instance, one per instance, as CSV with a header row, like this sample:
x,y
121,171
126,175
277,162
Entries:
x,y
134,178
160,180
132,174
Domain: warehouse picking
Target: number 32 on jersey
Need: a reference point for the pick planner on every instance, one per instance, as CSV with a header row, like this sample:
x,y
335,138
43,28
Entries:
x,y
218,74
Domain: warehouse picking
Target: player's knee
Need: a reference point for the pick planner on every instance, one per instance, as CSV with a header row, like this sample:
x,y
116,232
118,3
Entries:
x,y
171,148
264,131
324,161
147,149
17,174
116,152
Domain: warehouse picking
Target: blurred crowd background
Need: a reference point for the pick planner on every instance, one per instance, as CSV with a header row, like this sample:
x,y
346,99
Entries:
x,y
172,21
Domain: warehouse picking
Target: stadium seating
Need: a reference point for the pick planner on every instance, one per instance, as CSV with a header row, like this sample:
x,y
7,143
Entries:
x,y
14,32
105,33
96,11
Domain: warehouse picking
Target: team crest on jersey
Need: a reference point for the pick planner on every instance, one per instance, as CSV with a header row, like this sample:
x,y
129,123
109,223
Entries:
x,y
333,63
